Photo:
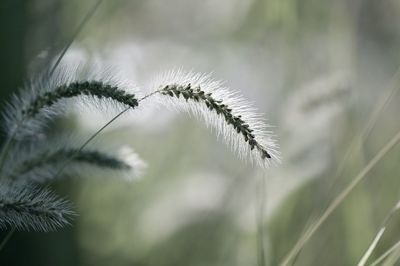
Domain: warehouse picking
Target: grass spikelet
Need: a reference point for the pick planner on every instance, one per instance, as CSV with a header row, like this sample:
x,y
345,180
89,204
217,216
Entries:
x,y
227,112
89,88
31,208
46,96
41,164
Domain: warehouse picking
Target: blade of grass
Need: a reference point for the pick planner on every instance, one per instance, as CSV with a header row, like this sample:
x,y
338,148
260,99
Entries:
x,y
368,253
305,231
386,254
341,197
379,235
392,258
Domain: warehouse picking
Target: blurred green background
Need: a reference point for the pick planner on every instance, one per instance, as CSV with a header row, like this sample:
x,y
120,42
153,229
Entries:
x,y
316,68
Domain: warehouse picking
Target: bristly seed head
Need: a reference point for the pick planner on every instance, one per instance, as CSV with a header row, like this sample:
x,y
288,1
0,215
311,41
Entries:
x,y
30,208
89,88
91,157
46,96
198,95
40,164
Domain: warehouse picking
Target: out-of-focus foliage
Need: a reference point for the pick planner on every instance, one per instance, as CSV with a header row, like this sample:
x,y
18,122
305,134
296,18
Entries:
x,y
317,69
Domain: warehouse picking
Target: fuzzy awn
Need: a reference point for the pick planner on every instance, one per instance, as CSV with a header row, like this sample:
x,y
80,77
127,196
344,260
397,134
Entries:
x,y
41,165
43,98
31,208
234,120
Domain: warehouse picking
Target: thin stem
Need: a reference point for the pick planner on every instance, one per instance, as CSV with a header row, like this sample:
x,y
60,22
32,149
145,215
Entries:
x,y
73,37
371,247
394,88
99,131
89,140
261,196
149,95
78,30
6,238
341,197
357,140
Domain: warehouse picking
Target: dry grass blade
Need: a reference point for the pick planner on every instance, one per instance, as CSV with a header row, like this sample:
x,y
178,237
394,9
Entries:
x,y
392,249
386,254
392,258
379,235
342,196
368,253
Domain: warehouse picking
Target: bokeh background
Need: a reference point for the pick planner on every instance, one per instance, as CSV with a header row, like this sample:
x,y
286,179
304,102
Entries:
x,y
318,69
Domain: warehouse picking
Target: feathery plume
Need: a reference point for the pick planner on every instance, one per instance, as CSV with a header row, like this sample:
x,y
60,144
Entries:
x,y
226,111
46,97
30,208
39,164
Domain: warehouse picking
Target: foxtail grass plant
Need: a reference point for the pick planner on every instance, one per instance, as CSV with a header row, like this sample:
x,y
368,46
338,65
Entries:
x,y
30,157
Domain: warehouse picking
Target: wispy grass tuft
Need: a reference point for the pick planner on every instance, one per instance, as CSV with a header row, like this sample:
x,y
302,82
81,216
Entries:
x,y
45,97
32,208
38,164
233,118
89,88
